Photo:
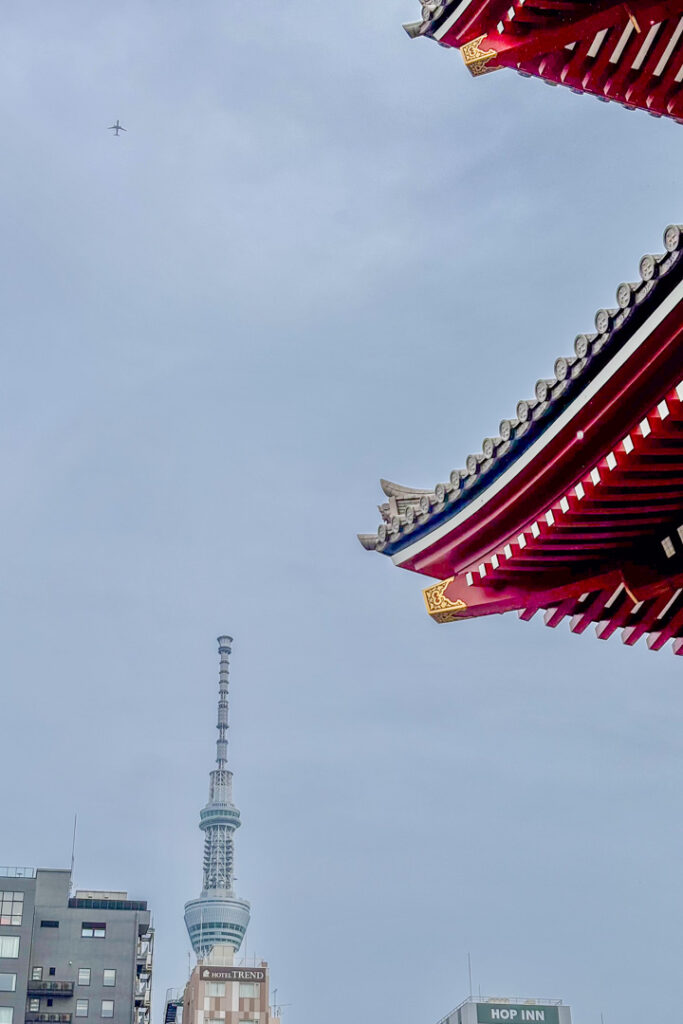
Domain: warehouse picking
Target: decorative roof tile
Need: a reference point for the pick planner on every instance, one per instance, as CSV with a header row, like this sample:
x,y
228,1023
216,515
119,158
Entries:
x,y
412,511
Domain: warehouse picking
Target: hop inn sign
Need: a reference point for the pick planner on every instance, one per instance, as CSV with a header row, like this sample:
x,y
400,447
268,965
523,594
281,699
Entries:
x,y
509,1013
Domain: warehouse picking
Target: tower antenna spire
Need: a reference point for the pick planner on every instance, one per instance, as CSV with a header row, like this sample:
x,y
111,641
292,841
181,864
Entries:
x,y
219,820
224,651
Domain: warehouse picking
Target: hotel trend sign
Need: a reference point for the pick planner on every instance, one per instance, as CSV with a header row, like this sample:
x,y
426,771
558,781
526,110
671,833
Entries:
x,y
509,1013
232,974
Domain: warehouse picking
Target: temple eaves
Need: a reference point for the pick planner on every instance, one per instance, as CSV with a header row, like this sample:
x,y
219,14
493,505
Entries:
x,y
411,512
628,54
576,505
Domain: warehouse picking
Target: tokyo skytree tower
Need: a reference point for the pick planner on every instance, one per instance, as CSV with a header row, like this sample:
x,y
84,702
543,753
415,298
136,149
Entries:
x,y
218,916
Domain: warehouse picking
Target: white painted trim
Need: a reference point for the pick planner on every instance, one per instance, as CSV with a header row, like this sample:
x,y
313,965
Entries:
x,y
597,43
617,361
614,596
666,607
645,48
664,59
441,32
621,45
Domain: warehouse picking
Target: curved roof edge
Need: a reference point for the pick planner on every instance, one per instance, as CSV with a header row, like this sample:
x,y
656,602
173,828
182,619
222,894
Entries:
x,y
411,513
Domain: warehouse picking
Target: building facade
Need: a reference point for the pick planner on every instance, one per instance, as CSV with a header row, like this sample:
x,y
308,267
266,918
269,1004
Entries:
x,y
222,992
64,957
512,1010
173,1008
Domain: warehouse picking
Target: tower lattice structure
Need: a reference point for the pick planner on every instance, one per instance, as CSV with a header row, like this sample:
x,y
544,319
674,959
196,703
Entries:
x,y
218,916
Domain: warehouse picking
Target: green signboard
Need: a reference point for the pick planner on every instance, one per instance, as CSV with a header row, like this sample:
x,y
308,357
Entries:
x,y
513,1013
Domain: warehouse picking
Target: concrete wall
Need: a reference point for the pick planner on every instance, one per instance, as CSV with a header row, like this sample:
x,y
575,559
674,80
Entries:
x,y
215,999
60,952
20,967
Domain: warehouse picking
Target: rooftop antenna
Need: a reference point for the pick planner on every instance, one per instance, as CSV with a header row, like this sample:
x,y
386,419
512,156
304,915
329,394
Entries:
x,y
73,855
469,971
277,1008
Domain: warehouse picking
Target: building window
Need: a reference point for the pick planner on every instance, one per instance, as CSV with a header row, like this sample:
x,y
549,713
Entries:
x,y
52,971
8,982
215,988
49,1002
11,907
107,1007
6,1014
49,924
83,975
109,977
248,990
9,948
81,1007
93,930
34,1005
36,973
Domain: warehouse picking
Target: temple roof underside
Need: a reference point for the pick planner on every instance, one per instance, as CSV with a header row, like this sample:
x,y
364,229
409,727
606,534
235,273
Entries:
x,y
630,54
575,508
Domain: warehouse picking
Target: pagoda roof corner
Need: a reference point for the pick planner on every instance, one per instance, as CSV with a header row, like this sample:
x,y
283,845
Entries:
x,y
393,490
626,54
576,505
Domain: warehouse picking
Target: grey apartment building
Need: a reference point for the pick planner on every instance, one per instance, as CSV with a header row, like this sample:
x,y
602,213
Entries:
x,y
62,956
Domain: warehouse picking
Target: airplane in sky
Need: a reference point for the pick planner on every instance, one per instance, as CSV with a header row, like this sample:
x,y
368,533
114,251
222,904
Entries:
x,y
116,128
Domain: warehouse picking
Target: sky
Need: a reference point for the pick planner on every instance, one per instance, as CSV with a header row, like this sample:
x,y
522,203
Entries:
x,y
321,254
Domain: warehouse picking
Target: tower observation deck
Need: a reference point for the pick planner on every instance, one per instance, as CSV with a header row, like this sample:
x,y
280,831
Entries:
x,y
218,916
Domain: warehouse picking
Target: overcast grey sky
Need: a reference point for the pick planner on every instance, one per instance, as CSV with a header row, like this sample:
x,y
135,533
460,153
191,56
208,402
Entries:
x,y
322,254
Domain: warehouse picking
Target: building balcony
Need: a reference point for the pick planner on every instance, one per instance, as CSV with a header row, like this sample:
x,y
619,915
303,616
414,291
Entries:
x,y
48,1018
50,988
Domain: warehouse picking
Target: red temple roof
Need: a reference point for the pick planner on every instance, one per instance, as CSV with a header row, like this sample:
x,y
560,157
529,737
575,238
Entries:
x,y
576,507
627,53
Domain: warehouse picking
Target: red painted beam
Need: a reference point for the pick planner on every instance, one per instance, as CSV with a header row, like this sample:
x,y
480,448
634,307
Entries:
x,y
592,613
554,616
626,392
618,617
482,599
511,49
674,626
647,617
